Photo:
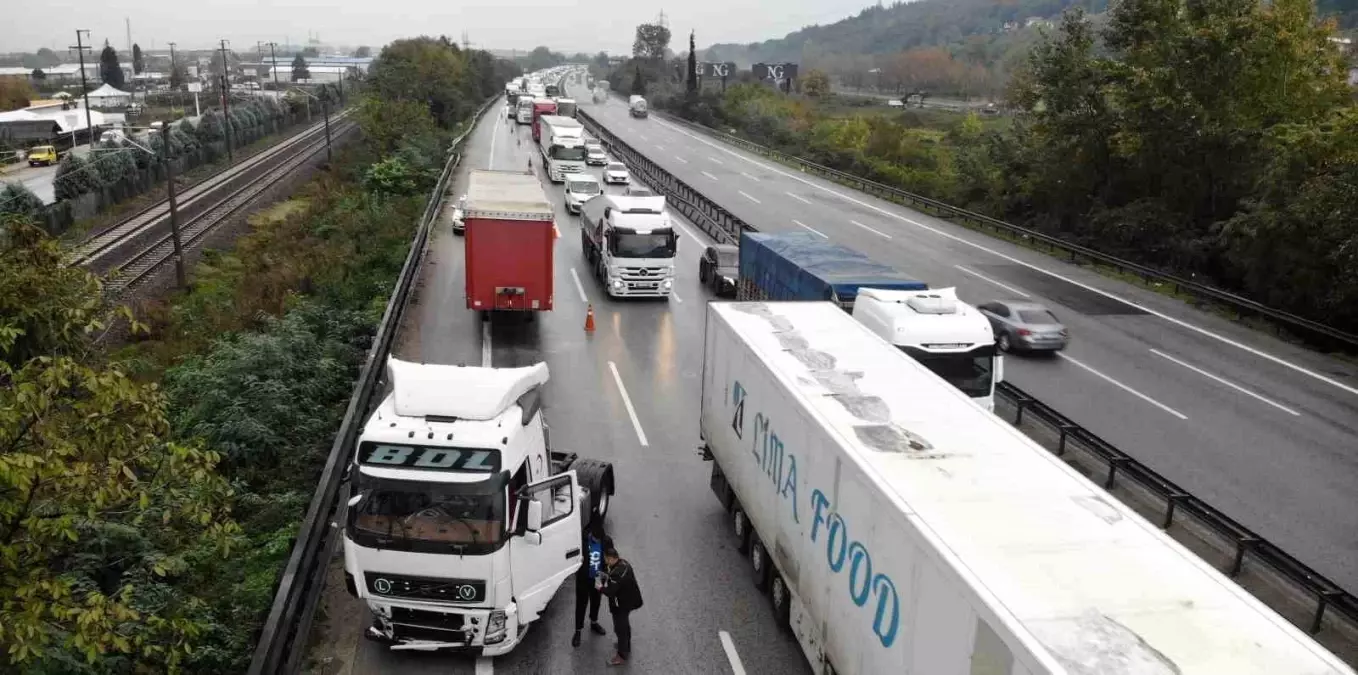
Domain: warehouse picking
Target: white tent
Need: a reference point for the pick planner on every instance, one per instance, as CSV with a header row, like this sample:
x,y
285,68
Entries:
x,y
108,97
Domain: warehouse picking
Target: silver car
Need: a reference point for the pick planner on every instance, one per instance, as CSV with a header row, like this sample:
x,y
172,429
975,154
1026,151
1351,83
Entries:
x,y
616,172
1025,326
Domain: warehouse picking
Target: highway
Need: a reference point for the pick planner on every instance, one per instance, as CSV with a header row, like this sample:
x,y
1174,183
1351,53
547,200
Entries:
x,y
1264,430
626,394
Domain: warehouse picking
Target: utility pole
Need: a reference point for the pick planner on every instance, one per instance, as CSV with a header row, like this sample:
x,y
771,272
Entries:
x,y
179,275
274,56
226,103
325,107
84,86
178,96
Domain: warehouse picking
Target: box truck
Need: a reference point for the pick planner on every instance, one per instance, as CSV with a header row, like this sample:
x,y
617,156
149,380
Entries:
x,y
510,236
936,328
462,522
561,144
898,528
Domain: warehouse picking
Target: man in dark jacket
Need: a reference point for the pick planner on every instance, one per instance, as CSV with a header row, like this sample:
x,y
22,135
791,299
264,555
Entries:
x,y
619,583
586,591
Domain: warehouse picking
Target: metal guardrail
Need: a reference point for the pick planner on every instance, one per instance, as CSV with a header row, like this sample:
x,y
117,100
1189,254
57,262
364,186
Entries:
x,y
282,644
1247,544
1177,501
1240,304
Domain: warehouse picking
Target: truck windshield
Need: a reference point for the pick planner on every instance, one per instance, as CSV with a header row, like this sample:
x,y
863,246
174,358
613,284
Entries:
x,y
627,245
583,187
425,517
575,154
969,372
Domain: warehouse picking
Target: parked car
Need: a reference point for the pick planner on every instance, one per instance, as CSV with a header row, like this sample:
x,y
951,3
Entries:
x,y
580,188
459,226
616,172
45,155
1025,326
595,155
719,268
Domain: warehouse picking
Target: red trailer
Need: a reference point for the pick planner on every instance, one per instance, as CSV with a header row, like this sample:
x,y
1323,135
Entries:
x,y
510,236
541,106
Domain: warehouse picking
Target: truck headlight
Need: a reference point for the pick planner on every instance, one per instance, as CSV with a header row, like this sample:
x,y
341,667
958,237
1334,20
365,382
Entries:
x,y
617,284
666,284
495,627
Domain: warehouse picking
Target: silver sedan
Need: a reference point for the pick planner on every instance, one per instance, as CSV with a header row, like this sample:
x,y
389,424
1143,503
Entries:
x,y
1025,326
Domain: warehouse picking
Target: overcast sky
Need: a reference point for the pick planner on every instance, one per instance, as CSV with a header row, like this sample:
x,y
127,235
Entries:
x,y
564,25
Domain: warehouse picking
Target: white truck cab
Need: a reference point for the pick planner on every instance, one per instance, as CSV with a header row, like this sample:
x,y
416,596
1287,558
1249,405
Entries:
x,y
461,523
951,338
630,242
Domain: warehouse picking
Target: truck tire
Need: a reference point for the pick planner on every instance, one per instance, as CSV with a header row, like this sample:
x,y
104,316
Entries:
x,y
782,601
741,525
597,477
759,563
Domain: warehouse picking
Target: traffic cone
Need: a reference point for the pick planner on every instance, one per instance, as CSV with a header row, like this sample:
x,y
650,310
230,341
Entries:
x,y
589,319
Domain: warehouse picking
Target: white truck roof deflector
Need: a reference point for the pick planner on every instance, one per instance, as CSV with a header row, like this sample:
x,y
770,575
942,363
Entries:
x,y
465,392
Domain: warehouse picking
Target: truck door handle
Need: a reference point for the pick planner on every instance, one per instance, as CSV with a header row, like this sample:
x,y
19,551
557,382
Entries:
x,y
573,553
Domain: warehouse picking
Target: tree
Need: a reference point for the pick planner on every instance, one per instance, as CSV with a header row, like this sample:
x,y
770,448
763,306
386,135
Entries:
x,y
692,80
815,83
38,75
311,51
652,41
138,63
112,162
210,128
109,69
299,69
638,83
178,75
363,52
15,93
101,513
17,199
541,58
48,57
74,177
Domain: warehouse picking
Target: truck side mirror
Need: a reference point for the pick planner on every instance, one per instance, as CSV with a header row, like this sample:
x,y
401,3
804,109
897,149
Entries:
x,y
534,515
999,369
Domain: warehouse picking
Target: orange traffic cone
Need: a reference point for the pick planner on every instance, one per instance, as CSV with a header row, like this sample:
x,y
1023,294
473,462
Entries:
x,y
589,319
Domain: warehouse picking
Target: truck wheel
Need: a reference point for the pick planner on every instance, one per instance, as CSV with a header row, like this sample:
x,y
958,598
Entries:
x,y
759,564
782,601
597,476
741,525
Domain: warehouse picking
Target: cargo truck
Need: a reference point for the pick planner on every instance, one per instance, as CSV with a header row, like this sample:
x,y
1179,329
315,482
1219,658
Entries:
x,y
630,243
461,521
541,106
561,144
948,336
566,107
636,106
898,528
510,235
523,110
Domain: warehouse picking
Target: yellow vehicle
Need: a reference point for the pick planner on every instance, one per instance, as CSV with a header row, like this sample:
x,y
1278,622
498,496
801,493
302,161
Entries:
x,y
45,155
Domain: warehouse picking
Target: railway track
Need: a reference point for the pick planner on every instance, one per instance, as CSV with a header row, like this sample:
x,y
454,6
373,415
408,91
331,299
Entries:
x,y
147,260
103,250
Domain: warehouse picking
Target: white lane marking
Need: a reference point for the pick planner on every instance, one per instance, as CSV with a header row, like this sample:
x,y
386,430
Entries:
x,y
485,344
676,297
799,198
869,229
627,401
709,175
681,159
484,665
983,277
742,193
729,645
1228,383
718,161
1126,388
643,137
494,134
981,247
660,148
800,223
750,177
578,288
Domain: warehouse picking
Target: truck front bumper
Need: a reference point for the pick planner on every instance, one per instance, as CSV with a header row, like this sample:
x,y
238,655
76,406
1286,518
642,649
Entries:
x,y
640,289
429,627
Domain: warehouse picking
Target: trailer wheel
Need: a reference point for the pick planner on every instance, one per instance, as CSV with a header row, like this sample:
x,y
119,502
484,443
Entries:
x,y
782,600
597,476
759,563
741,525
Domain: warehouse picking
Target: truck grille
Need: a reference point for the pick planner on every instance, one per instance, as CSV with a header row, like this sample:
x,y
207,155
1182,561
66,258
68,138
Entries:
x,y
641,274
425,618
424,588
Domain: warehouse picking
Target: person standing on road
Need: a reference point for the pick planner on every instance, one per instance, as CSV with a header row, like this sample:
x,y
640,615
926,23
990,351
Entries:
x,y
587,593
619,583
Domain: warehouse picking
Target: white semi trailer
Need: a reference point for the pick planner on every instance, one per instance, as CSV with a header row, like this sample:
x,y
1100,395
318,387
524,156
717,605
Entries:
x,y
900,528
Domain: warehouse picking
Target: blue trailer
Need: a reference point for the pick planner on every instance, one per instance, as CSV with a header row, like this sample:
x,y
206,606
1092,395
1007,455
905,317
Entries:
x,y
802,266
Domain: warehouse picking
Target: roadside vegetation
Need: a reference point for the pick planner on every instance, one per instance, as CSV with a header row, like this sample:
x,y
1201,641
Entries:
x,y
149,496
1219,144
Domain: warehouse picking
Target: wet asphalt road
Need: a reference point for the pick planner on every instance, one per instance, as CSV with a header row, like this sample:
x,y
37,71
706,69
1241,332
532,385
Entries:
x,y
664,516
1192,395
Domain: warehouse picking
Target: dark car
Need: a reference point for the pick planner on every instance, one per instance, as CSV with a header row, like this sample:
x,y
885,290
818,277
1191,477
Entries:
x,y
1025,326
719,268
